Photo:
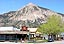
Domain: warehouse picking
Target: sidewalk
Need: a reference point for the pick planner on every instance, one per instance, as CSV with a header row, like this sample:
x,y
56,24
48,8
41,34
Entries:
x,y
55,42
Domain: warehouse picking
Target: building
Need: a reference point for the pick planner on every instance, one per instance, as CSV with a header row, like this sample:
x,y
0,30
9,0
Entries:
x,y
12,34
32,32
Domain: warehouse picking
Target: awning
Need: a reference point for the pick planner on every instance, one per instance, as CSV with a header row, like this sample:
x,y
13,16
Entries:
x,y
14,32
38,32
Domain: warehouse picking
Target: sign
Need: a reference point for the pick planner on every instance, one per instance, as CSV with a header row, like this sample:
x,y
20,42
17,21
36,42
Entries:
x,y
24,28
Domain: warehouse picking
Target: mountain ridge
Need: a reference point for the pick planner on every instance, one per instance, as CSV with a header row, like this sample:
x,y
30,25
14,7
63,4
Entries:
x,y
30,15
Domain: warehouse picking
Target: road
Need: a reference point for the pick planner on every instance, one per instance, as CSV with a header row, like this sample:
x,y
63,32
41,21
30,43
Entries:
x,y
55,42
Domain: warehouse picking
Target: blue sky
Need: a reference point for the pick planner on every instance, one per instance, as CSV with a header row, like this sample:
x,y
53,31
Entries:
x,y
12,5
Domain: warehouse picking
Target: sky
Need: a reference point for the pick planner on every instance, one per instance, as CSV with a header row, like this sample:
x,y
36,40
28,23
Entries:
x,y
13,5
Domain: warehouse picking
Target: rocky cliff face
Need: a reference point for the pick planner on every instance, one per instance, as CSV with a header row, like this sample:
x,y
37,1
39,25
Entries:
x,y
30,15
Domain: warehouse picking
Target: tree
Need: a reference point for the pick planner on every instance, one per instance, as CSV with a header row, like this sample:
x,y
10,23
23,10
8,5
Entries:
x,y
53,26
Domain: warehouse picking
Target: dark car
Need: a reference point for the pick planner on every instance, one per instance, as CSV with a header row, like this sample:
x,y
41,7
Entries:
x,y
50,38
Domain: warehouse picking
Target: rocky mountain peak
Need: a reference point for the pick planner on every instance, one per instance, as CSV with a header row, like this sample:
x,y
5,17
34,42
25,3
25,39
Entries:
x,y
29,7
30,15
30,4
30,12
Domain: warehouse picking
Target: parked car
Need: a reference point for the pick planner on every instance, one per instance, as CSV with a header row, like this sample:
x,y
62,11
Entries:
x,y
50,39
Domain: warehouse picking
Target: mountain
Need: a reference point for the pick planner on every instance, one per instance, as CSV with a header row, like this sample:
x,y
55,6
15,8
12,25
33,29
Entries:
x,y
30,15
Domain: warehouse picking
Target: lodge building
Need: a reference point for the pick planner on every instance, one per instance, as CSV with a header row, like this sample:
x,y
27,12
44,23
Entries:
x,y
14,34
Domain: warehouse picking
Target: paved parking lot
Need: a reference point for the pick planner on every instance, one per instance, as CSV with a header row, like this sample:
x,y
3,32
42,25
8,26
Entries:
x,y
55,42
